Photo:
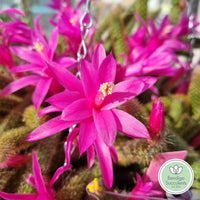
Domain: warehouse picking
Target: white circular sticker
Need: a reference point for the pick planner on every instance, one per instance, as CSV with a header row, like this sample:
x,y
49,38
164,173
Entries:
x,y
176,176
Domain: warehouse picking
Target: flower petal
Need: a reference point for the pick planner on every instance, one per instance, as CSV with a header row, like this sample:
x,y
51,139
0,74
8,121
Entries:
x,y
8,196
57,174
47,110
49,128
53,42
77,110
31,180
26,68
127,90
39,182
25,54
129,125
113,152
106,125
63,99
41,91
105,160
19,84
87,135
68,148
99,56
107,70
12,11
90,156
65,77
89,79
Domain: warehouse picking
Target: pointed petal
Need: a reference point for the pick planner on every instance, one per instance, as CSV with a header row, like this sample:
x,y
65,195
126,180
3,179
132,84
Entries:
x,y
107,70
68,148
49,128
89,79
37,25
26,68
113,152
99,56
105,160
31,180
127,90
19,84
57,174
8,196
65,77
129,125
47,110
77,110
106,125
39,182
12,11
53,41
41,91
63,99
25,54
87,135
90,156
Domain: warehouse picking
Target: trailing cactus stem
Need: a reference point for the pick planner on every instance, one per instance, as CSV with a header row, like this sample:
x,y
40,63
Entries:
x,y
13,141
194,92
117,31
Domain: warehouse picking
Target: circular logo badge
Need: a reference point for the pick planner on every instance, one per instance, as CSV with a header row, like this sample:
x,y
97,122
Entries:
x,y
176,176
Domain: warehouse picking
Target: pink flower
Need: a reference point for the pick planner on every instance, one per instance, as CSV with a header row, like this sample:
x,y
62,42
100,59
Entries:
x,y
152,49
14,31
149,185
68,23
91,102
38,55
143,188
157,120
36,180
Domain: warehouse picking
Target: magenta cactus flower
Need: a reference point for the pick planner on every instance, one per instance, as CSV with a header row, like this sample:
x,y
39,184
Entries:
x,y
152,49
157,120
37,56
16,32
67,19
44,192
91,102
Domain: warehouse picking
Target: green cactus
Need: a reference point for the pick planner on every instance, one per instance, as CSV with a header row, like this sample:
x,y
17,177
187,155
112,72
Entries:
x,y
118,39
141,9
13,141
175,11
194,93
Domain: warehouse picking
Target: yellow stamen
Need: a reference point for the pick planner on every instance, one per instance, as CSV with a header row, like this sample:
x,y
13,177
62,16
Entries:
x,y
38,46
167,29
73,20
94,187
106,89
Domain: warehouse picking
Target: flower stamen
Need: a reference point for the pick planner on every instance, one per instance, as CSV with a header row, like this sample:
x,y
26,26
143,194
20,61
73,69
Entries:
x,y
106,89
38,46
94,187
73,20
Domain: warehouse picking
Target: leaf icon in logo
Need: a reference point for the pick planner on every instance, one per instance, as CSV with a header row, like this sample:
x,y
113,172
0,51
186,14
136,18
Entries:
x,y
175,169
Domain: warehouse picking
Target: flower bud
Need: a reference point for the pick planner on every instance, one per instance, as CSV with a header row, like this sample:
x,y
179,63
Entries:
x,y
157,120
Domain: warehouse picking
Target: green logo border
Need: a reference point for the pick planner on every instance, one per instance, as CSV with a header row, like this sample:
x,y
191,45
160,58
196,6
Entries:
x,y
161,181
